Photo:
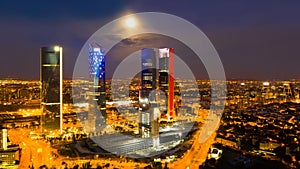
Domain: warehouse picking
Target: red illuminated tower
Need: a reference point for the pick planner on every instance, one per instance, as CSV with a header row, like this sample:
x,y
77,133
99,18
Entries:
x,y
166,80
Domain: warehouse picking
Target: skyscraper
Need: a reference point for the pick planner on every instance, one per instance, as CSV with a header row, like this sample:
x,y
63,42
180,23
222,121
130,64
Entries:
x,y
148,84
148,72
51,77
151,103
288,91
97,99
166,80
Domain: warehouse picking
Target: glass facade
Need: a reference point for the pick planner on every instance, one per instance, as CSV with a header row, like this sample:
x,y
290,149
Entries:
x,y
149,102
97,94
148,84
51,90
165,80
148,72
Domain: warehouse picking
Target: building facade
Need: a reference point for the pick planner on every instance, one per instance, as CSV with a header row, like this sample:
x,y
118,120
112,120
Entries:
x,y
149,72
148,85
51,77
152,105
10,154
97,93
166,79
3,139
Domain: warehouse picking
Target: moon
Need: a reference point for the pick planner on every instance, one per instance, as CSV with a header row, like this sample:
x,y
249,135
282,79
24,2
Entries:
x,y
130,22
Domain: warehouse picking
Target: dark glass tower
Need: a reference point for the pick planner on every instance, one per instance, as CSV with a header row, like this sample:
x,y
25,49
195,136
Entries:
x,y
148,77
148,84
51,89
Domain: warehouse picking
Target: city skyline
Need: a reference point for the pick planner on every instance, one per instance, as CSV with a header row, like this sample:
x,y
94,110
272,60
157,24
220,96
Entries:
x,y
150,84
255,40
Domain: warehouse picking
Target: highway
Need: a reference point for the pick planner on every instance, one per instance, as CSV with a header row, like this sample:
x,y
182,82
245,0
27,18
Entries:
x,y
197,154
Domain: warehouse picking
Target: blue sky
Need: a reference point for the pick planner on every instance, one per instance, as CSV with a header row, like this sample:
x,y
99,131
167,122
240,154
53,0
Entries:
x,y
255,40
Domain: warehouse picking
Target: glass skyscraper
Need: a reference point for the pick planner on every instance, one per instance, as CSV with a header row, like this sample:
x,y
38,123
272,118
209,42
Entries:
x,y
166,79
51,73
148,72
148,84
152,106
97,93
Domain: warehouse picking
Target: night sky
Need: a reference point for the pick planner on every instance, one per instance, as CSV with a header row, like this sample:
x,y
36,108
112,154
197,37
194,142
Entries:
x,y
255,40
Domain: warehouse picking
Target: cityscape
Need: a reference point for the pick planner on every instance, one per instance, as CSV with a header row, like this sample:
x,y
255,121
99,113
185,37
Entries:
x,y
83,113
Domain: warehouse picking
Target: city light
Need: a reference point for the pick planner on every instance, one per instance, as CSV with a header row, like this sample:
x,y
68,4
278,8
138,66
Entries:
x,y
56,48
157,118
266,83
96,61
36,148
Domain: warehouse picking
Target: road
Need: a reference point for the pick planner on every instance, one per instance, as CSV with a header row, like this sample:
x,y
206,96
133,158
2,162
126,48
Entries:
x,y
197,154
38,152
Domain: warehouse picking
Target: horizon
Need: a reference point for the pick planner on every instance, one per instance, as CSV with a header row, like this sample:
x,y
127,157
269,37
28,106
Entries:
x,y
255,40
232,79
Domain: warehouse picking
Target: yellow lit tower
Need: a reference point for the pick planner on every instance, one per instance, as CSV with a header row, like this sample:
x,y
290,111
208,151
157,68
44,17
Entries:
x,y
265,91
287,91
51,77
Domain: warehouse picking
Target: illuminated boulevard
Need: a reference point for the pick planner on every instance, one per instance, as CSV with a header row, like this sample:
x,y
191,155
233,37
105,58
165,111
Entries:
x,y
38,152
197,154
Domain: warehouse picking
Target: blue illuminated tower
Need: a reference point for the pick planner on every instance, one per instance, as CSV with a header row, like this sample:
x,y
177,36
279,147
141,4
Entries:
x,y
97,103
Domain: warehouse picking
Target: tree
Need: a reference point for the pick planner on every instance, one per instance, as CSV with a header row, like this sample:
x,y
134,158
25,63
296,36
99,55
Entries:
x,y
86,165
76,166
13,125
287,159
280,151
